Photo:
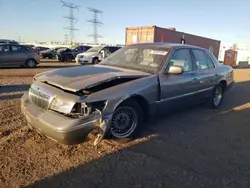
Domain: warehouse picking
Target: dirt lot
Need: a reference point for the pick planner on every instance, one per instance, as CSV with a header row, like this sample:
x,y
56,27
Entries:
x,y
196,147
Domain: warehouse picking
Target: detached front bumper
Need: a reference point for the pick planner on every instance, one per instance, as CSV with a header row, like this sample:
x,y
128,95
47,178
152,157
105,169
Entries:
x,y
59,127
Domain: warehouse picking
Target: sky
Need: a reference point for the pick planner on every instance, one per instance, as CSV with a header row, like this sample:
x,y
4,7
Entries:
x,y
43,20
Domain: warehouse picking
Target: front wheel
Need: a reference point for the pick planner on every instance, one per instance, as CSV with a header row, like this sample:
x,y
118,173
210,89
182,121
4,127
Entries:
x,y
126,120
217,96
95,60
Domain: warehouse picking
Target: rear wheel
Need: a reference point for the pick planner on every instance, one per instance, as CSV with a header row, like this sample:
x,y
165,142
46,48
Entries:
x,y
217,96
126,120
31,63
68,58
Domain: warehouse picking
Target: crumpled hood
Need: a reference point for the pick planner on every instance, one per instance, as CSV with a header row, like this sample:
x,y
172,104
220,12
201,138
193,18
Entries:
x,y
82,77
87,54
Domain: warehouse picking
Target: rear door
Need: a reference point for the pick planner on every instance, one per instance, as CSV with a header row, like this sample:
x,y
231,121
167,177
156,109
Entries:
x,y
181,88
205,73
19,54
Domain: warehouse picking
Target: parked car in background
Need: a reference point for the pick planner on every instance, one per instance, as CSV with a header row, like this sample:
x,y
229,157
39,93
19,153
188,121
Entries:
x,y
18,55
119,93
96,54
40,48
50,53
69,54
29,45
7,41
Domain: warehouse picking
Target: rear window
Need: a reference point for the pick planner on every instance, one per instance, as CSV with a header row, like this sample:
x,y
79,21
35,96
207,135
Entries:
x,y
214,58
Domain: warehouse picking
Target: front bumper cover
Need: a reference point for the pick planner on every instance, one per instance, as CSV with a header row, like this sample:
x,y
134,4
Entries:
x,y
59,127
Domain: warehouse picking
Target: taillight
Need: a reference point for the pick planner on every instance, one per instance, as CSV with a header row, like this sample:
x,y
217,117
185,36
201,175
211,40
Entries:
x,y
35,51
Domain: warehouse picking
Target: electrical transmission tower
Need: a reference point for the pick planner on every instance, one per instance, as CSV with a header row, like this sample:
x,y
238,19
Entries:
x,y
71,18
96,23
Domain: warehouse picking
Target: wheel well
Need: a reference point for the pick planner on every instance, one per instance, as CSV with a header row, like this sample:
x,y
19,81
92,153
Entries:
x,y
142,102
224,84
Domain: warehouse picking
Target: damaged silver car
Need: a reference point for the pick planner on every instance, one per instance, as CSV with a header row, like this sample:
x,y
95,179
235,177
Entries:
x,y
117,95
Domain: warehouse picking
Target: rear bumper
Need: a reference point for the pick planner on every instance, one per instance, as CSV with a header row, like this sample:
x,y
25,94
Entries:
x,y
59,127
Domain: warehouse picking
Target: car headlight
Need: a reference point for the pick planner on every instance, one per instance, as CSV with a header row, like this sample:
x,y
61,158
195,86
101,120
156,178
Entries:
x,y
88,108
61,105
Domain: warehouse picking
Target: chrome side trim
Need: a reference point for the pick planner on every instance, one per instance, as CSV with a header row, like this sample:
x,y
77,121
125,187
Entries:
x,y
207,89
185,95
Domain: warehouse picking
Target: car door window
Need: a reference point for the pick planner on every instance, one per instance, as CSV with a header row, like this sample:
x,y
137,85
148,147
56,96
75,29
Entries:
x,y
15,49
105,49
209,61
202,60
18,49
5,49
113,49
182,58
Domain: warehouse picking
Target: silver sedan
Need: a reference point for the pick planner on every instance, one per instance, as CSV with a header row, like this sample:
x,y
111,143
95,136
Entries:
x,y
117,95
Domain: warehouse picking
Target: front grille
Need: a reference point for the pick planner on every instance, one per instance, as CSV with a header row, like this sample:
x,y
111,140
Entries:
x,y
39,99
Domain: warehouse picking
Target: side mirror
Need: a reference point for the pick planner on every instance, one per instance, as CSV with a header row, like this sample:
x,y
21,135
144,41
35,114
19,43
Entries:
x,y
175,70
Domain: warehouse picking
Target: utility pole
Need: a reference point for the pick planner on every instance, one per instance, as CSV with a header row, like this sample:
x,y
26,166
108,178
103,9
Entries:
x,y
96,23
66,38
71,18
19,39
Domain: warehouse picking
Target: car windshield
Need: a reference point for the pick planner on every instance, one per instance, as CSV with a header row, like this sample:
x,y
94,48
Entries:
x,y
61,49
95,49
142,58
74,46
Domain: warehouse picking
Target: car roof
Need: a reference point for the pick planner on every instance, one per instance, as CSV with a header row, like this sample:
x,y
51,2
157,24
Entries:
x,y
165,44
7,40
5,44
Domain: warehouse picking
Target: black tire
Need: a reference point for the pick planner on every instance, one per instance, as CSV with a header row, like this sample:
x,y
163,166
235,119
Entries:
x,y
50,56
95,60
123,111
30,63
216,98
69,58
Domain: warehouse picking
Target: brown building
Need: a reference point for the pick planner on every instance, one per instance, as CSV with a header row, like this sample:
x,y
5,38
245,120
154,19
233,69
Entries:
x,y
157,34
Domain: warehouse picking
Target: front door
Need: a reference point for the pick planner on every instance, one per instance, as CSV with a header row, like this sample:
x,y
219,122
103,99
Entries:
x,y
5,56
180,89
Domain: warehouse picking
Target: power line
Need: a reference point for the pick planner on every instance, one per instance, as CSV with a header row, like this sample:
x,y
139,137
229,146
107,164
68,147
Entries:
x,y
96,23
72,19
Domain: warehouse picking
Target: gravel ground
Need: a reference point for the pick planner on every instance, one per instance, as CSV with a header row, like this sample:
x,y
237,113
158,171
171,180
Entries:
x,y
195,147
